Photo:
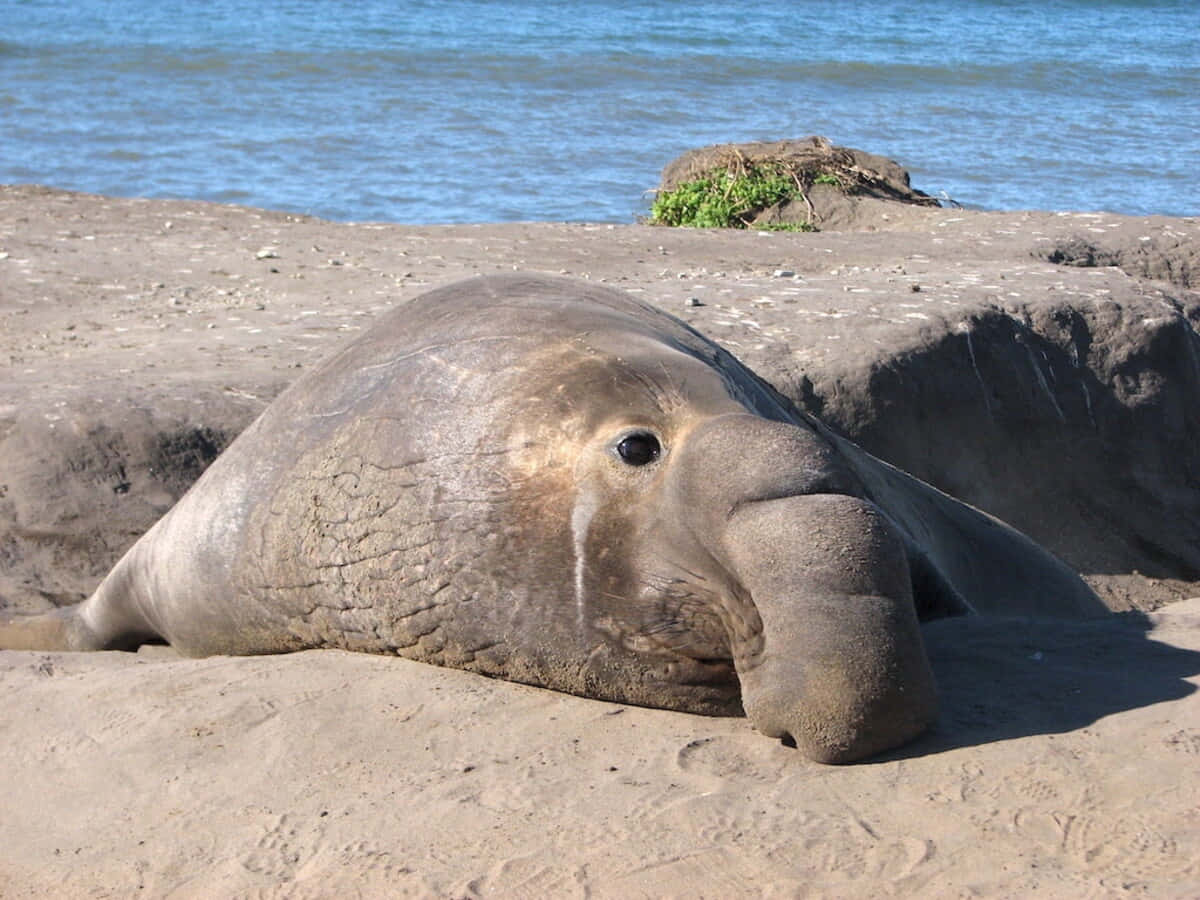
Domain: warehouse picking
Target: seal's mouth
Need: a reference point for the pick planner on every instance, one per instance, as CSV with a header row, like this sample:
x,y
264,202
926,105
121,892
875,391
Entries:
x,y
826,480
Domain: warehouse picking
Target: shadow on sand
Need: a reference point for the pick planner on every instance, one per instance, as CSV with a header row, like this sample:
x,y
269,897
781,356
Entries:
x,y
1007,678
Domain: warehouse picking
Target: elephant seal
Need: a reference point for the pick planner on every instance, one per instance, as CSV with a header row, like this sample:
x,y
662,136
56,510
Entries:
x,y
551,482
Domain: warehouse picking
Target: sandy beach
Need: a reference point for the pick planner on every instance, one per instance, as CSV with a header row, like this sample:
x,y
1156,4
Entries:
x,y
1042,366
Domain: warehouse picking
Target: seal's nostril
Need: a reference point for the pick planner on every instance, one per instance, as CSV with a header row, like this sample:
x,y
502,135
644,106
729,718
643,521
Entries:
x,y
787,740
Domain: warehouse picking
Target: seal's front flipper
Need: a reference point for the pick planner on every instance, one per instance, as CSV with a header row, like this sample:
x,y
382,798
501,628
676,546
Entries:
x,y
59,629
95,624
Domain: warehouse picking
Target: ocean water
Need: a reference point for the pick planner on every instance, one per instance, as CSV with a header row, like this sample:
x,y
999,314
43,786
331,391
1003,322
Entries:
x,y
436,111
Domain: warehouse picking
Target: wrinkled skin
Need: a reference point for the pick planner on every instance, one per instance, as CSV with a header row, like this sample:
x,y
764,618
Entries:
x,y
545,481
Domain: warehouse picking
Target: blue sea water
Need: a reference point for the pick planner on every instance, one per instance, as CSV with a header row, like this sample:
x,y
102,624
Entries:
x,y
467,111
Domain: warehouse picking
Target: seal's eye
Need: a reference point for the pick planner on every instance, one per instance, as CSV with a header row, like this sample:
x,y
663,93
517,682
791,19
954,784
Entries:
x,y
639,448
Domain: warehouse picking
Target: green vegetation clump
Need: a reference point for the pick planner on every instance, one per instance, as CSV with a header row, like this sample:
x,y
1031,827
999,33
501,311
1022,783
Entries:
x,y
734,193
723,198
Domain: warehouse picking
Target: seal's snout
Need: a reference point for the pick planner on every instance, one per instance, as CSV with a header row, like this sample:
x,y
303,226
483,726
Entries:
x,y
820,618
840,668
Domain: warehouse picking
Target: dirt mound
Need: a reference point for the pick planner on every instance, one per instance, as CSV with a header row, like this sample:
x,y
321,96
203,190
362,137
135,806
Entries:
x,y
1076,420
834,186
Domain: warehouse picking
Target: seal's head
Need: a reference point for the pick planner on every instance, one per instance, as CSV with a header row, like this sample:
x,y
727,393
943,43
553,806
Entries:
x,y
714,549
